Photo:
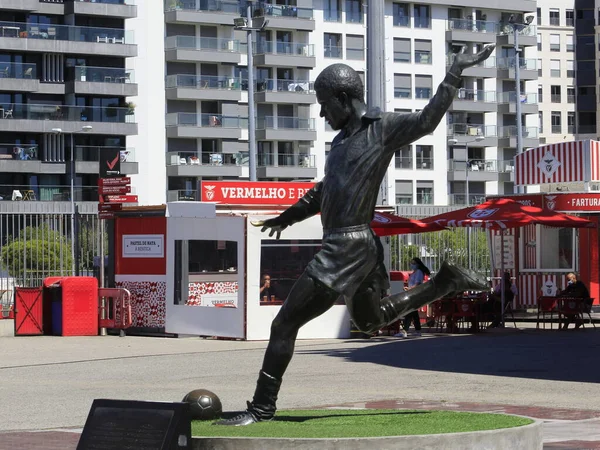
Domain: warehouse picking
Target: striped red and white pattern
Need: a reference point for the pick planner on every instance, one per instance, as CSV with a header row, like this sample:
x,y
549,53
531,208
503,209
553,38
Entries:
x,y
528,235
530,286
579,161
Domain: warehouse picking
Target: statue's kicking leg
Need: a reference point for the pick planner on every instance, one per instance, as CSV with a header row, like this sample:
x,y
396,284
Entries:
x,y
370,312
308,299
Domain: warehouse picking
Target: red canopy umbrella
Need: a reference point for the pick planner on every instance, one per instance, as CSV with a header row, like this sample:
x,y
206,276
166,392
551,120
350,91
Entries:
x,y
387,224
504,213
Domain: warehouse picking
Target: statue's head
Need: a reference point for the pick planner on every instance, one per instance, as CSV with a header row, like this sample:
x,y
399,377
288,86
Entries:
x,y
337,86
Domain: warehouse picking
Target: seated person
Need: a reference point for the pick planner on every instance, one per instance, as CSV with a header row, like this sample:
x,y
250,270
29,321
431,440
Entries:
x,y
493,307
577,289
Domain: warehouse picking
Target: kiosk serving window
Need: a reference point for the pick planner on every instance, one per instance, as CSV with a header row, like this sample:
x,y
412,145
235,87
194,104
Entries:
x,y
548,248
206,273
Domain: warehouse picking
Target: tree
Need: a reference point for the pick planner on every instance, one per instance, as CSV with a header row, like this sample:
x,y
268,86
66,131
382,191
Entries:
x,y
401,253
36,253
89,243
452,246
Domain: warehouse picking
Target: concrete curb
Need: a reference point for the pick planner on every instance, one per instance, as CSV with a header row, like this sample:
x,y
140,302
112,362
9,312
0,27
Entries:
x,y
527,437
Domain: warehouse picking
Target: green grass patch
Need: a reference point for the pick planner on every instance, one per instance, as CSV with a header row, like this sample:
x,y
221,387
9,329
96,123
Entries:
x,y
346,423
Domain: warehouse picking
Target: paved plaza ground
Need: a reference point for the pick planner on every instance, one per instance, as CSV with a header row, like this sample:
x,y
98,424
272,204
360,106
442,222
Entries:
x,y
48,383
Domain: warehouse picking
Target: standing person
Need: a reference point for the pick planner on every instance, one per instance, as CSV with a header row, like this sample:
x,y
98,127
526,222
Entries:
x,y
350,262
419,270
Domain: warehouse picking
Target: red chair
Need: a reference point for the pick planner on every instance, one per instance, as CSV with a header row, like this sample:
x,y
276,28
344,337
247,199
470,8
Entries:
x,y
571,307
441,309
546,305
464,309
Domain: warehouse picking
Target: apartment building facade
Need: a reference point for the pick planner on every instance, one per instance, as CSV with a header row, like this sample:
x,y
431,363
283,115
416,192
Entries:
x,y
63,97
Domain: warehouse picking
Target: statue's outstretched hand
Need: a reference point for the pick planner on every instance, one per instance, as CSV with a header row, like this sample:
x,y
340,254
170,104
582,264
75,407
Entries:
x,y
274,225
463,60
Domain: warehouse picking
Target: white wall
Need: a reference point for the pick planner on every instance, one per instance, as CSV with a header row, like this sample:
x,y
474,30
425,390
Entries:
x,y
149,73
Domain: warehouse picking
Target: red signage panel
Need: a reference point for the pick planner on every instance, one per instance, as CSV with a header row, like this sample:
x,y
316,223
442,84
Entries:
x,y
117,181
118,190
567,202
106,215
253,192
120,198
110,207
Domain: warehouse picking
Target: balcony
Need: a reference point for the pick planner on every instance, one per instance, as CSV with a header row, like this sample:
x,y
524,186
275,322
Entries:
x,y
183,195
586,129
46,193
87,159
507,137
480,170
466,30
485,69
506,69
403,162
25,158
474,101
34,37
333,51
215,12
527,35
21,5
203,87
271,128
467,133
193,49
210,126
192,164
461,199
34,118
286,17
107,81
284,54
292,165
121,9
18,77
424,163
507,103
285,91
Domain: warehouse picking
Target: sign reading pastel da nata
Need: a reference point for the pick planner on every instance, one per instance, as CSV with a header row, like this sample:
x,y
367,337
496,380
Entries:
x,y
143,246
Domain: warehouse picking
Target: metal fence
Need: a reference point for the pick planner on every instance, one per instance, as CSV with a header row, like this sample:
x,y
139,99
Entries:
x,y
34,246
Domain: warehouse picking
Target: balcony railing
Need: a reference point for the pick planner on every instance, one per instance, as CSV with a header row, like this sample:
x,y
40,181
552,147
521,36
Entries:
x,y
19,152
286,160
400,92
509,63
489,63
232,7
108,2
461,199
476,96
469,129
103,74
476,26
511,97
481,165
570,99
66,33
270,9
184,195
586,129
90,153
424,163
404,162
204,120
67,113
206,159
275,85
203,82
203,43
279,122
333,51
285,48
47,193
511,131
20,71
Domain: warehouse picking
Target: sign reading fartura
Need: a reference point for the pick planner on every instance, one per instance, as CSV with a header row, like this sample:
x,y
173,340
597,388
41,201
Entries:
x,y
254,193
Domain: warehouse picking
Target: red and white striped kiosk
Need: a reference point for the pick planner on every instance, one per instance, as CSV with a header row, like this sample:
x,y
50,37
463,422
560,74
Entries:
x,y
568,176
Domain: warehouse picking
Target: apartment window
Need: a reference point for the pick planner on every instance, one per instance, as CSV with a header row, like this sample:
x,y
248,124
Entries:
x,y
355,46
570,94
571,122
555,42
555,94
555,67
402,110
541,122
539,42
401,15
554,17
540,93
402,85
569,18
539,16
424,157
332,11
555,117
423,86
424,192
422,16
404,159
570,43
333,45
422,51
539,65
570,69
404,192
401,50
354,12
